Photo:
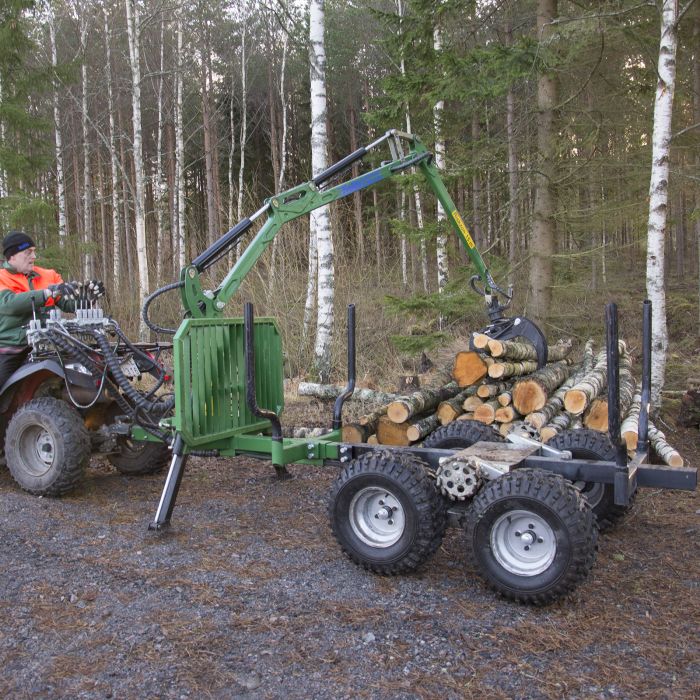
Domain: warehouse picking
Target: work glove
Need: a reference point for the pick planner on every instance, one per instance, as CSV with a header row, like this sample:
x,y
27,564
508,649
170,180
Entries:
x,y
63,290
92,290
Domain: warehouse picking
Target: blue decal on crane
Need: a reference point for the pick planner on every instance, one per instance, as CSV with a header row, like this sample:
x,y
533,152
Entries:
x,y
361,182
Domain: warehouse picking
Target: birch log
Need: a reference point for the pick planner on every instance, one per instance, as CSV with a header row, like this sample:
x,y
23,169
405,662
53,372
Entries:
x,y
523,350
579,397
531,393
421,401
500,370
667,453
560,422
489,391
331,391
470,367
423,428
390,433
448,410
596,417
486,413
630,425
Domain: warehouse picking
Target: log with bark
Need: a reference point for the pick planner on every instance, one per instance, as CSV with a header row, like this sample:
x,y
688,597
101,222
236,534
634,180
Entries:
x,y
630,425
390,433
448,410
531,393
354,432
421,401
501,370
327,392
524,350
596,417
486,413
470,367
422,428
505,399
560,422
579,397
469,415
471,403
370,419
667,453
506,414
490,390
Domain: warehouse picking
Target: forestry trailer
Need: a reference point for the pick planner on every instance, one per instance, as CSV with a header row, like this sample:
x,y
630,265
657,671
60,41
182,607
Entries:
x,y
530,511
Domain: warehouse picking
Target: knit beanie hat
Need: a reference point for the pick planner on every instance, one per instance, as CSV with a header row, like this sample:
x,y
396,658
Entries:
x,y
14,242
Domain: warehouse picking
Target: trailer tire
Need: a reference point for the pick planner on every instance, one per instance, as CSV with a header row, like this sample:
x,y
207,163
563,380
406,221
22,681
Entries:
x,y
138,458
590,444
461,434
531,535
386,513
47,447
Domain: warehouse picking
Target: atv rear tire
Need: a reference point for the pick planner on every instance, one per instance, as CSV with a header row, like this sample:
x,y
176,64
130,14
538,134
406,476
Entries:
x,y
590,444
386,513
461,434
47,447
137,458
531,535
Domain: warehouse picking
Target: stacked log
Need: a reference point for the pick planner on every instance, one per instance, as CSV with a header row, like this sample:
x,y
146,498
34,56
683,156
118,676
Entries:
x,y
509,393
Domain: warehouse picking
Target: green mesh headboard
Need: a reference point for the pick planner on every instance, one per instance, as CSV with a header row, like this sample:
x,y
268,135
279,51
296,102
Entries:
x,y
209,372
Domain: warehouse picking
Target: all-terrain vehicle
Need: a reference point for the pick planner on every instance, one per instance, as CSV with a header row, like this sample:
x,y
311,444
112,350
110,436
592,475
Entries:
x,y
74,396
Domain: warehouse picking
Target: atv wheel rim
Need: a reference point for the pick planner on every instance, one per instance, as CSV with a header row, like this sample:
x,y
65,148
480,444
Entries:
x,y
38,450
593,491
377,517
523,543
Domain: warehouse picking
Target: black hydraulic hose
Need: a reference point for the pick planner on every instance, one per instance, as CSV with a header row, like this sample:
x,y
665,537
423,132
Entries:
x,y
124,384
150,299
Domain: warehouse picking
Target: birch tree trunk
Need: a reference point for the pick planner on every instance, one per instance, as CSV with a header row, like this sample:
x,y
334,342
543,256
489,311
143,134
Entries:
x,y
658,193
209,142
244,127
58,140
179,234
320,219
114,165
133,29
88,260
159,188
696,120
442,266
543,224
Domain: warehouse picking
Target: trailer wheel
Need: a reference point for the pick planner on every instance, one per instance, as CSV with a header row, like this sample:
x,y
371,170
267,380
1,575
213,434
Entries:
x,y
590,444
137,458
532,536
461,434
47,447
386,513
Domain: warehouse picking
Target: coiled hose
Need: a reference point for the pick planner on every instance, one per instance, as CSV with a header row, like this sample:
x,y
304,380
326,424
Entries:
x,y
150,299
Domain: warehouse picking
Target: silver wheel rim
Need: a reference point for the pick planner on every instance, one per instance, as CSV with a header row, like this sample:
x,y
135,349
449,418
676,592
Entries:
x,y
377,517
523,543
593,491
38,450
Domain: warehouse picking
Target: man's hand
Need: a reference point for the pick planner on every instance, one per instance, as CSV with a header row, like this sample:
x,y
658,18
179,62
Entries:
x,y
92,290
64,290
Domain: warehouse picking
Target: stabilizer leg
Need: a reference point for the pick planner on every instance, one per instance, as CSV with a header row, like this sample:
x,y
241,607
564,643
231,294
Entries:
x,y
172,486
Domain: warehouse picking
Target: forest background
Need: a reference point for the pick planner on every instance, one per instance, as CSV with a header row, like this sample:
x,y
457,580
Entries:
x,y
134,133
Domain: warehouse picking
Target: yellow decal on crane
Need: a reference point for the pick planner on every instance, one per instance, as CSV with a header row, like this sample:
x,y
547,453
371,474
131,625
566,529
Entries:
x,y
462,227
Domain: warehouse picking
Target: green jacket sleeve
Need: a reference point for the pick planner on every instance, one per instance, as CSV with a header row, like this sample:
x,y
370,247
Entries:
x,y
20,304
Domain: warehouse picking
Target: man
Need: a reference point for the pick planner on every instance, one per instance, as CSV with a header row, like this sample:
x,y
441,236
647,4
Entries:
x,y
25,290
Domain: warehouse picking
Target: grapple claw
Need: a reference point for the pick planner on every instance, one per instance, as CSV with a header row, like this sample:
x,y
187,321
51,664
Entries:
x,y
508,328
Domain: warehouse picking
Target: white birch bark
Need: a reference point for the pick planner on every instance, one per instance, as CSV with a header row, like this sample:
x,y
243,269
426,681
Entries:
x,y
231,154
416,192
179,233
133,29
3,174
58,139
244,126
658,193
88,259
282,146
160,189
320,219
114,166
442,266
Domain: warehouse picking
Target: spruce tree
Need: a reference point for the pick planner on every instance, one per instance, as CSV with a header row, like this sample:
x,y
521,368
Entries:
x,y
24,142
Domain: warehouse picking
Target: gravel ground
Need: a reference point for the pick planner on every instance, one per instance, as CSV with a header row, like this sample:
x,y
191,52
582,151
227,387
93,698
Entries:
x,y
248,595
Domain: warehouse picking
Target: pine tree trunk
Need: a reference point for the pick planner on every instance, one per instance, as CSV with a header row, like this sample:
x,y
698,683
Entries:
x,y
357,196
658,194
543,224
209,141
512,174
320,218
133,26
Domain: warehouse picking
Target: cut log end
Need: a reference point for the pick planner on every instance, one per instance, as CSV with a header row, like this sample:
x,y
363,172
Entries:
x,y
575,401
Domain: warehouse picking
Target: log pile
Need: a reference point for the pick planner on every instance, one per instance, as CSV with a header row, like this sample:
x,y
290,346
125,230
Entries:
x,y
498,384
